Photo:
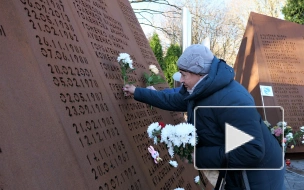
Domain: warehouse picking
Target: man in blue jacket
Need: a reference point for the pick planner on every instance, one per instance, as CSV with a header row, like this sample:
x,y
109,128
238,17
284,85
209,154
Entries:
x,y
208,81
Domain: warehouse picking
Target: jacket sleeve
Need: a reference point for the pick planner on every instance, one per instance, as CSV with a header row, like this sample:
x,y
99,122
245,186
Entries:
x,y
162,100
171,90
246,119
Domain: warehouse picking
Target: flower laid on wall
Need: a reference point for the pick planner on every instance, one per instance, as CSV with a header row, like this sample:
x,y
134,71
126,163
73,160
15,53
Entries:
x,y
173,163
154,77
197,179
285,135
154,131
126,66
179,139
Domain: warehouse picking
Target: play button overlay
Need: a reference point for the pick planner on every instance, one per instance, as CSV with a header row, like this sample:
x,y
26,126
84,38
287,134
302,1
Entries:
x,y
226,131
235,138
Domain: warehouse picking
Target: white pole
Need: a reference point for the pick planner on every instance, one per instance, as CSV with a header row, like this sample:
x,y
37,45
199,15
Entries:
x,y
187,24
265,91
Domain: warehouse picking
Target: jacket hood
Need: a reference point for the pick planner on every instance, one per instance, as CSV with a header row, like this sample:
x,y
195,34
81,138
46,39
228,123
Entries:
x,y
220,75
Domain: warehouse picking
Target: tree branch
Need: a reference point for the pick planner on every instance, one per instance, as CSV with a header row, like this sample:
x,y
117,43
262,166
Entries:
x,y
156,27
161,2
155,12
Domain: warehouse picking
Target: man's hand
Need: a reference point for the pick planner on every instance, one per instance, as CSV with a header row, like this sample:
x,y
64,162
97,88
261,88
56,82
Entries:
x,y
129,89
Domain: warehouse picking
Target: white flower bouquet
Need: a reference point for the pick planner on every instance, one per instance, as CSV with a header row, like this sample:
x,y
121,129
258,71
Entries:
x,y
179,139
154,77
126,66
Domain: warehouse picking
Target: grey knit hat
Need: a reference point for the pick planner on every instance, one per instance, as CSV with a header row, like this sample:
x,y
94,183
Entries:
x,y
196,59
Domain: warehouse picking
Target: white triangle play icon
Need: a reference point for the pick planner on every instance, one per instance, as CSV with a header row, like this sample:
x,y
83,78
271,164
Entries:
x,y
235,138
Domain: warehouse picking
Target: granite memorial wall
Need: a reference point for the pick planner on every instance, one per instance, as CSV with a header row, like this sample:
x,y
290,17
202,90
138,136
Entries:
x,y
271,54
65,123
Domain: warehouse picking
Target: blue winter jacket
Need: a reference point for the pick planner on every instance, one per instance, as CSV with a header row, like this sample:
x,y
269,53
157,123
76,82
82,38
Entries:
x,y
219,88
171,90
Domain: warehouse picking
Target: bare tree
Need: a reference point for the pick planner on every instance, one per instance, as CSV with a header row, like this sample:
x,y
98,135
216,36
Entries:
x,y
173,27
214,20
269,7
223,21
165,10
208,20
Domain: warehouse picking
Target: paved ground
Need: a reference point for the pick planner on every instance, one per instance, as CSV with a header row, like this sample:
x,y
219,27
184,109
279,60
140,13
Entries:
x,y
294,177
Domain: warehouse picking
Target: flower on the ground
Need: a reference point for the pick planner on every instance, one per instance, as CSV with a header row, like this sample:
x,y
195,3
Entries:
x,y
173,163
179,139
285,135
126,66
197,179
153,78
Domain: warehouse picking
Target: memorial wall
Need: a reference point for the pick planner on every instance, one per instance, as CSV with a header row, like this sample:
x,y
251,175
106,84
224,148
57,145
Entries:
x,y
65,122
271,54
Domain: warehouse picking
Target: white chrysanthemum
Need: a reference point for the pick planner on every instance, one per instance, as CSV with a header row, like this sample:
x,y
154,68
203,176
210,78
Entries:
x,y
176,142
152,66
187,127
155,140
272,130
179,188
302,129
185,140
170,151
302,142
197,179
172,133
167,133
173,163
125,58
154,69
280,124
289,136
153,127
185,131
181,130
129,61
192,140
